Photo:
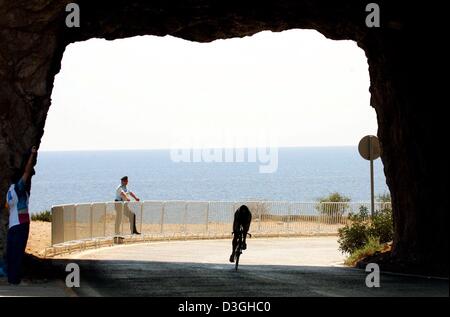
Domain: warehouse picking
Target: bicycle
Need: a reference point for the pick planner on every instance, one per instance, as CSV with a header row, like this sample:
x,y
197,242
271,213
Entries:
x,y
239,247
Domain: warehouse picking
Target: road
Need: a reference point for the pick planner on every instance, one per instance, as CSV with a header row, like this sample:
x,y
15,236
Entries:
x,y
269,267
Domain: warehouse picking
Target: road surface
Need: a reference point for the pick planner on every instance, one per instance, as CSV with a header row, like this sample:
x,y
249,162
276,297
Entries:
x,y
269,267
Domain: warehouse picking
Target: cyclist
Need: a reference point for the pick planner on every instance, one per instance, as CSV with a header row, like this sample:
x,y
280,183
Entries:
x,y
242,218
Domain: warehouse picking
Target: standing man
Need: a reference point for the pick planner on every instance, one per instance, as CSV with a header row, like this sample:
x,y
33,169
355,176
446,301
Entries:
x,y
17,200
122,193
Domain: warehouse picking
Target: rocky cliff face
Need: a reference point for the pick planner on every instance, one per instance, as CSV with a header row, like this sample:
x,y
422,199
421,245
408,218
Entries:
x,y
33,36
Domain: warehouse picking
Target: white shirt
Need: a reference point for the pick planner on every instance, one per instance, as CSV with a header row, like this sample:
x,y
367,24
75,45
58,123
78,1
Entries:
x,y
18,200
121,189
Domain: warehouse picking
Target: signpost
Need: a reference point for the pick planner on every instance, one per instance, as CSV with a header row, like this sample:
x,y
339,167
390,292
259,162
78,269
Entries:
x,y
369,148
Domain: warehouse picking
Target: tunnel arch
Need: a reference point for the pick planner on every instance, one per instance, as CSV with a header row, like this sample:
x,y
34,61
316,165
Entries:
x,y
34,36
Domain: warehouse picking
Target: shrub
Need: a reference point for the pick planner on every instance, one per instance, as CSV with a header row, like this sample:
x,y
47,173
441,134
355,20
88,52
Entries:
x,y
334,197
334,209
355,235
361,229
45,215
382,225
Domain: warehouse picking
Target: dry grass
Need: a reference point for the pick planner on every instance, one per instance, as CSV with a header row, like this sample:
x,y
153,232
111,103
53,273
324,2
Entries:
x,y
371,248
39,238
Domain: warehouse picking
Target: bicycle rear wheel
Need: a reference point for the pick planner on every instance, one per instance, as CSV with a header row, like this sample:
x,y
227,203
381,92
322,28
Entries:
x,y
238,251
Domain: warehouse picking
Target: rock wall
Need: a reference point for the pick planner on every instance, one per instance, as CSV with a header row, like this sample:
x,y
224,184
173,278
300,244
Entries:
x,y
33,36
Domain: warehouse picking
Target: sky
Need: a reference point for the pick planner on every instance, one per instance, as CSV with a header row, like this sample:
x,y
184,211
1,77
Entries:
x,y
293,88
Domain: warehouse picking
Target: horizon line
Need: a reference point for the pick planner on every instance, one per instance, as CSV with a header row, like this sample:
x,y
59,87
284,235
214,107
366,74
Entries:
x,y
197,148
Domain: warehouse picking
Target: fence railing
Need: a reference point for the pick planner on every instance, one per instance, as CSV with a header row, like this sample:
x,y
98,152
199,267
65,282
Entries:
x,y
197,218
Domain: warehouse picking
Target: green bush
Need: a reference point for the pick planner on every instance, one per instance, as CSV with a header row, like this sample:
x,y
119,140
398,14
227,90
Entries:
x,y
45,215
335,198
355,235
382,225
361,229
333,209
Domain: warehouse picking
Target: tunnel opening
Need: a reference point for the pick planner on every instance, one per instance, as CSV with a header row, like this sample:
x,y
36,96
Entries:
x,y
37,36
155,92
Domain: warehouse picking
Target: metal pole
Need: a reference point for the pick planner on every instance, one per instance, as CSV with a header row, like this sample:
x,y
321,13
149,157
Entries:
x,y
259,215
104,220
207,217
75,222
321,210
372,194
289,215
185,217
162,217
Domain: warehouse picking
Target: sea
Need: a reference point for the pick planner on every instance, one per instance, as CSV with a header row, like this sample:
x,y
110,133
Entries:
x,y
300,174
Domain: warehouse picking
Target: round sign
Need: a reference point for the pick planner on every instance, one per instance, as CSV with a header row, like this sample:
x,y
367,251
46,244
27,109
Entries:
x,y
369,147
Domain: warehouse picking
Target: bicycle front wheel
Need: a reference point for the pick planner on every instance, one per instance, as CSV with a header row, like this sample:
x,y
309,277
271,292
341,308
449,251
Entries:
x,y
238,255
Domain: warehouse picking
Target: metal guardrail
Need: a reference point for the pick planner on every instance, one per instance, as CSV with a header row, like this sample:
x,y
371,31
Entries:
x,y
201,219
